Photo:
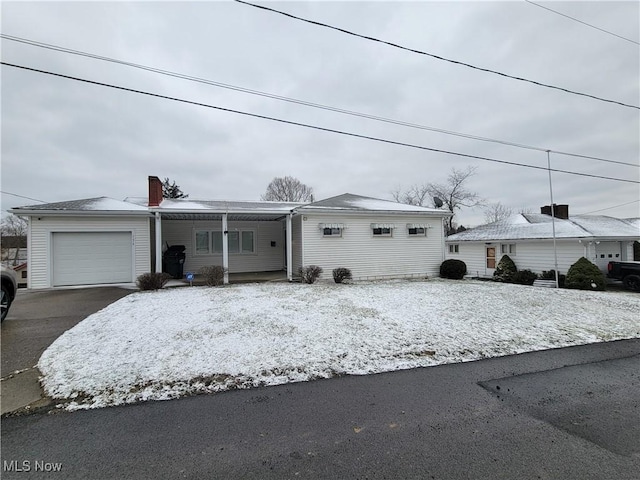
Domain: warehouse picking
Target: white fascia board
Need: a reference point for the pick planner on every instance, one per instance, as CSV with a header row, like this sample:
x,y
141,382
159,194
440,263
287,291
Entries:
x,y
208,211
345,211
79,213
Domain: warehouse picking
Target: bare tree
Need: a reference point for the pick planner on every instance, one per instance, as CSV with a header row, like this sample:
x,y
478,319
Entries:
x,y
414,195
288,189
171,190
14,232
452,194
496,211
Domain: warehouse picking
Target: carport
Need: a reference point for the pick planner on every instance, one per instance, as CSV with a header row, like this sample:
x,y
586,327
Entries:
x,y
235,235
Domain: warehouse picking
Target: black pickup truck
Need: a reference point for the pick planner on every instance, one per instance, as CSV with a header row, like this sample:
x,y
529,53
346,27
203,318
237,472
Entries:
x,y
628,272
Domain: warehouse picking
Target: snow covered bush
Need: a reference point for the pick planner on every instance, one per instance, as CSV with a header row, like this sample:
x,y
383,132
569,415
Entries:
x,y
506,270
584,275
525,277
453,269
341,274
213,275
310,273
152,280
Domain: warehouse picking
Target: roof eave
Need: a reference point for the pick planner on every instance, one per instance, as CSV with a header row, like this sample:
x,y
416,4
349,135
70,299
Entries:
x,y
76,213
215,211
371,212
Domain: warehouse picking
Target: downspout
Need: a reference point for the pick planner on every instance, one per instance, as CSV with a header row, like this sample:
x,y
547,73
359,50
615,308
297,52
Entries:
x,y
158,237
225,248
29,266
289,249
444,239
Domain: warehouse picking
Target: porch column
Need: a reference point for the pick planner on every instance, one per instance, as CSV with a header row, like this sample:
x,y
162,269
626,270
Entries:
x,y
158,232
225,248
289,250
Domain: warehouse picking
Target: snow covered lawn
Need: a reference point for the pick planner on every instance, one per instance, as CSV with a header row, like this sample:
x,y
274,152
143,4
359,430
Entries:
x,y
170,343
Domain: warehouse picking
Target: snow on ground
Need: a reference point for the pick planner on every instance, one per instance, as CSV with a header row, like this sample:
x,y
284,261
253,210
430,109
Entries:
x,y
170,343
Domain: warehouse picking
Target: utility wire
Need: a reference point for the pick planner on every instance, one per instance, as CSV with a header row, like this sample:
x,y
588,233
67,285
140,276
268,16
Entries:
x,y
420,52
315,127
301,102
584,23
610,208
22,196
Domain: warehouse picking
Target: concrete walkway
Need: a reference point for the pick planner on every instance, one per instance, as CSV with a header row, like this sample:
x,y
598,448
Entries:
x,y
22,391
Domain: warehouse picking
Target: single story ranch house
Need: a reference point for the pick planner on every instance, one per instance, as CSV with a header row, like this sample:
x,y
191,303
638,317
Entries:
x,y
105,241
528,239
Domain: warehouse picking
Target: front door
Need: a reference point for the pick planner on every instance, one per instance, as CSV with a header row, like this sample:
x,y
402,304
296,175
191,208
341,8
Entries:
x,y
491,257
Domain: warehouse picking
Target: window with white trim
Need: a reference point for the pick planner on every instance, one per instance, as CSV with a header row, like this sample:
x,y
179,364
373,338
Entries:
x,y
331,229
241,242
382,229
508,248
454,248
417,229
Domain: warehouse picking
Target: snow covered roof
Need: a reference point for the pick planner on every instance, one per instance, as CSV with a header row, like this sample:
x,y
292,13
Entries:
x,y
539,226
96,205
178,208
225,206
351,202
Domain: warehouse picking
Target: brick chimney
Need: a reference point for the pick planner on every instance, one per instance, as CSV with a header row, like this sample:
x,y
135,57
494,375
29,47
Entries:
x,y
559,211
155,191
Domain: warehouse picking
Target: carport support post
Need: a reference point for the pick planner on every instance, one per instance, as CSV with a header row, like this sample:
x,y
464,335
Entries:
x,y
289,251
158,233
225,248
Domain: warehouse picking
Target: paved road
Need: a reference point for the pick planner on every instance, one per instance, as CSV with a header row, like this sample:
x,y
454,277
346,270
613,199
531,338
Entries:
x,y
560,414
37,318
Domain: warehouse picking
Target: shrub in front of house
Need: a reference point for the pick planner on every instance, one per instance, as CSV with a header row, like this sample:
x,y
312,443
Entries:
x,y
152,280
310,273
341,274
551,275
453,269
584,275
525,277
506,270
213,275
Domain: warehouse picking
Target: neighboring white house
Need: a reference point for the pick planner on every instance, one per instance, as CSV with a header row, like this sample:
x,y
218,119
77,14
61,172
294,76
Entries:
x,y
528,239
106,241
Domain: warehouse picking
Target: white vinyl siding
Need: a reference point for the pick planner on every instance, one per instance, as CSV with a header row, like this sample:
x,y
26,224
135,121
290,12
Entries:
x,y
536,256
296,242
90,258
41,234
264,258
369,257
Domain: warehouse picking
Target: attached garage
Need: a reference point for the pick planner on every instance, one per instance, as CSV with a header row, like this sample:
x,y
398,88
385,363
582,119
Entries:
x,y
91,258
96,241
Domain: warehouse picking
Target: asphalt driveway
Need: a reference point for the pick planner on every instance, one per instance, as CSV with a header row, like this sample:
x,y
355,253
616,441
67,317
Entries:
x,y
37,318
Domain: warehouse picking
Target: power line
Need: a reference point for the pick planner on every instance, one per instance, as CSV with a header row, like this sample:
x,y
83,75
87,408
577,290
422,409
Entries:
x,y
22,196
315,127
438,57
610,208
584,23
302,102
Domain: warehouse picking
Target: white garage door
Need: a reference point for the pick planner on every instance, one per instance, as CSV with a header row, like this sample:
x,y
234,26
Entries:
x,y
89,258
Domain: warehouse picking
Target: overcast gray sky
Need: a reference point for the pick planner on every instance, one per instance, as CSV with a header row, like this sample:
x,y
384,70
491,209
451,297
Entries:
x,y
63,140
